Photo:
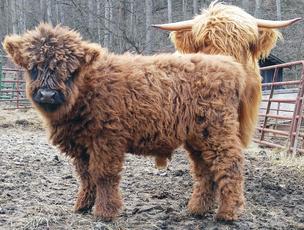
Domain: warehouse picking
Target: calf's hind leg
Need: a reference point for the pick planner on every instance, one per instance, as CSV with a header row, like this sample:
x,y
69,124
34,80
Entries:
x,y
220,146
86,194
202,198
228,169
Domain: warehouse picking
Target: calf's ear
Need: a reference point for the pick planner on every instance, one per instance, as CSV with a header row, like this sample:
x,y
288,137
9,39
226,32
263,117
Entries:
x,y
13,45
91,52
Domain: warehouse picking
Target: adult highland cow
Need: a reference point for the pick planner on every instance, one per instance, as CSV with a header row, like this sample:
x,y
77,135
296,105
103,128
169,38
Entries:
x,y
98,105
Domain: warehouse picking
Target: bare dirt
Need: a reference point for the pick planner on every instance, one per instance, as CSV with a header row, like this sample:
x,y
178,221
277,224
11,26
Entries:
x,y
38,187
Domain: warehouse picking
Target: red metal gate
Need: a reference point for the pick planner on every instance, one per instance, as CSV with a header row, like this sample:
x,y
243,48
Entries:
x,y
281,111
12,89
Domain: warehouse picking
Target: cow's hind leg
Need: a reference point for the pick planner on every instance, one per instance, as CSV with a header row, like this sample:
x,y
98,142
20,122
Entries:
x,y
202,198
86,194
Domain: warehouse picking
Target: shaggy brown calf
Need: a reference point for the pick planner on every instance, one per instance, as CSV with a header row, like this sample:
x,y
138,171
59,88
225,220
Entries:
x,y
98,106
228,30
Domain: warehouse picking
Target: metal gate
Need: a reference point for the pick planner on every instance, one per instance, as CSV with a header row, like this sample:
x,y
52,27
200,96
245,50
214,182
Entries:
x,y
12,87
281,111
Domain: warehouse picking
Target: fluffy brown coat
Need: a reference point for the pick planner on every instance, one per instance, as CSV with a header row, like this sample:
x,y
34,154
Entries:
x,y
147,105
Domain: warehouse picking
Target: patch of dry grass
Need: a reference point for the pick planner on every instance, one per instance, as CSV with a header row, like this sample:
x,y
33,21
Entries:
x,y
280,157
28,118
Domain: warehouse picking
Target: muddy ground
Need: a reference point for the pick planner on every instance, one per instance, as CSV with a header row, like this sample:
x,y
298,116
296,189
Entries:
x,y
38,187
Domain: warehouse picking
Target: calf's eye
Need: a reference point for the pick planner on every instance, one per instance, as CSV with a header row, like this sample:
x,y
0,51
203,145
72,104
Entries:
x,y
70,79
34,73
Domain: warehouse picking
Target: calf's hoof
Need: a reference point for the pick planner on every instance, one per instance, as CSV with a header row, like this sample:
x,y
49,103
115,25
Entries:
x,y
105,215
230,214
82,209
226,216
108,212
84,202
161,163
199,207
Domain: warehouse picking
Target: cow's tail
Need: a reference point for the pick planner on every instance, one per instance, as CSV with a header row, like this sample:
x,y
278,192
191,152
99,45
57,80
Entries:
x,y
249,107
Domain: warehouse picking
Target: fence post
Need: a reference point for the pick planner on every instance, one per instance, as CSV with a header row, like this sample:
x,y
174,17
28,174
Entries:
x,y
297,117
1,76
269,103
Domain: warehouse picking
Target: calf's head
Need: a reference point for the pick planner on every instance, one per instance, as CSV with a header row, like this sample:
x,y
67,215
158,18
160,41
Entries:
x,y
54,59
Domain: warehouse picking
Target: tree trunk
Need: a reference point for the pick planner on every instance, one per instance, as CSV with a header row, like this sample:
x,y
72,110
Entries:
x,y
184,6
23,28
108,19
257,11
169,11
148,26
122,24
98,21
279,15
133,28
245,5
48,12
59,12
7,16
13,16
90,15
195,7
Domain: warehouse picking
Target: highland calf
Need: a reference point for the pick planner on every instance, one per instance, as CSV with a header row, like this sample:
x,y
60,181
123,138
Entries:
x,y
98,106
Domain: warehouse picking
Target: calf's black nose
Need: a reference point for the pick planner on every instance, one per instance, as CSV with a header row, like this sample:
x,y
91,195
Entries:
x,y
46,96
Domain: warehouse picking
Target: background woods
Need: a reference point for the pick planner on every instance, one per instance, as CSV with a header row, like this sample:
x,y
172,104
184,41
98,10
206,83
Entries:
x,y
124,25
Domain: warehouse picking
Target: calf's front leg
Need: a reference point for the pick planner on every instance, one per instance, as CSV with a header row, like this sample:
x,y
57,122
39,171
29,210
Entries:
x,y
86,194
106,162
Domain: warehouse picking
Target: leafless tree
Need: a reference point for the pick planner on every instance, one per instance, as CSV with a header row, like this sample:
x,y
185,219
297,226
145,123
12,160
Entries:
x,y
107,22
278,4
245,5
149,6
12,8
257,11
195,6
169,10
184,8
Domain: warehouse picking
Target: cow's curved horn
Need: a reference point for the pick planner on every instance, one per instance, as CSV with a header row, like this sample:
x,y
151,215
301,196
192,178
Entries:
x,y
187,25
275,24
183,25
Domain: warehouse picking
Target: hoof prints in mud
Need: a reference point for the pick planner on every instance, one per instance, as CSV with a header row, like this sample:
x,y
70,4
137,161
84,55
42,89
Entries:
x,y
38,188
